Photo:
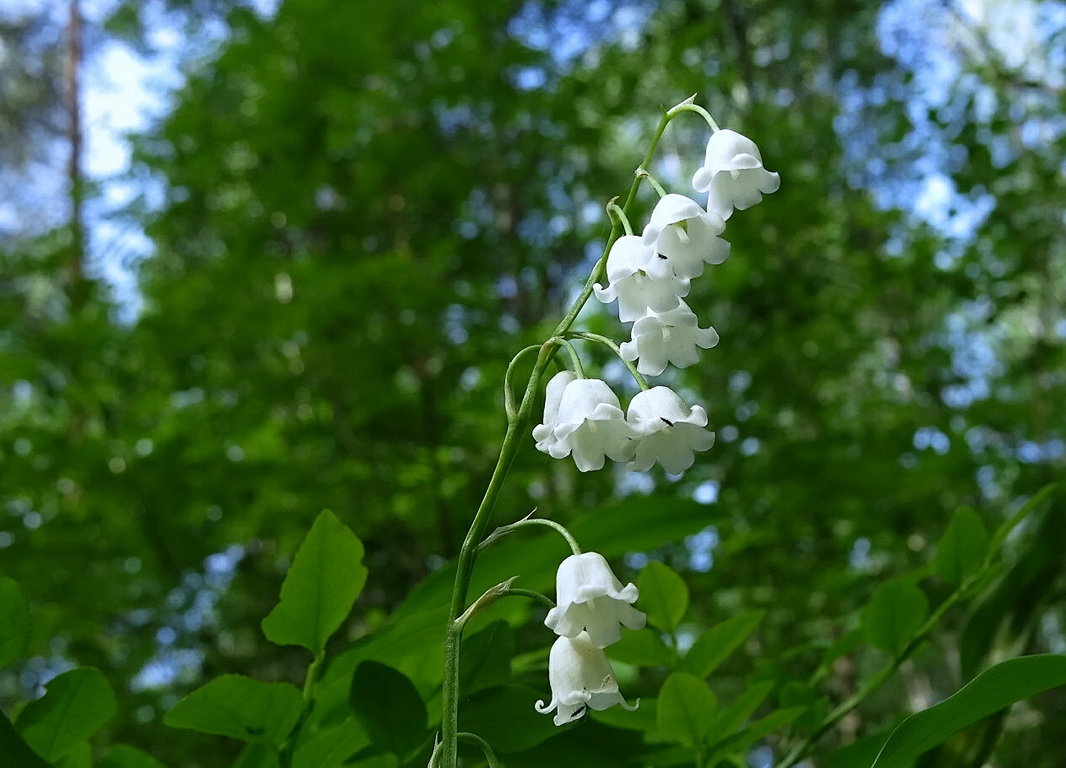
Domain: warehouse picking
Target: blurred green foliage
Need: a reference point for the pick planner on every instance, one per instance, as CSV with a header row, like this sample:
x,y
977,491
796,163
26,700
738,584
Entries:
x,y
368,208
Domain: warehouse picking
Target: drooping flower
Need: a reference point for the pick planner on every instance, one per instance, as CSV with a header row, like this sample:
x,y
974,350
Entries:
x,y
667,337
553,395
591,599
732,174
668,430
589,424
686,235
581,678
640,280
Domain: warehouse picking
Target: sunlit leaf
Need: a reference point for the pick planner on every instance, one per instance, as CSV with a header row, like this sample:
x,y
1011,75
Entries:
x,y
241,708
75,705
326,576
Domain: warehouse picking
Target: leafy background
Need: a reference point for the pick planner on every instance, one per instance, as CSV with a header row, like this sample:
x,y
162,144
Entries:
x,y
358,212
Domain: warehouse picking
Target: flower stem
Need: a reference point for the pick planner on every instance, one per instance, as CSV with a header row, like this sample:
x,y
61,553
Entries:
x,y
698,110
643,172
637,375
508,450
503,530
620,215
574,359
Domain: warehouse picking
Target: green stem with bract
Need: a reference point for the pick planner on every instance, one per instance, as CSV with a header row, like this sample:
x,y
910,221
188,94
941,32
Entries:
x,y
512,441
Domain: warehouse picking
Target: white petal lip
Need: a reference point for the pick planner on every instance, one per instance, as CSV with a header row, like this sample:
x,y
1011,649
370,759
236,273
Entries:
x,y
668,431
661,338
733,174
591,599
581,678
587,423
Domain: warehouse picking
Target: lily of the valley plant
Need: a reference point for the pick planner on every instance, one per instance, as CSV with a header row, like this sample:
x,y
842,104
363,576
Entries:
x,y
648,275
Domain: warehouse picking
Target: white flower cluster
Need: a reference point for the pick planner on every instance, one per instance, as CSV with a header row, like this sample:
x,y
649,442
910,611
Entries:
x,y
592,607
649,275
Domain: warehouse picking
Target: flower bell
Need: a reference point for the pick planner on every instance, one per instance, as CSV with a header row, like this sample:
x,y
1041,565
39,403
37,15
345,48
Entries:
x,y
732,174
590,599
589,424
553,395
685,236
581,678
640,280
668,431
667,337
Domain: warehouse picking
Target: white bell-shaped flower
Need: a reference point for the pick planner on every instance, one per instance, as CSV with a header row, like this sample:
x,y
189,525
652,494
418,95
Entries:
x,y
589,424
686,235
581,678
732,174
591,599
667,337
640,280
553,395
668,430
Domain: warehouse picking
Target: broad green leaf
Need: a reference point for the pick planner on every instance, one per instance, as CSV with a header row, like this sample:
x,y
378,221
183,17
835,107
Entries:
x,y
740,742
1004,529
506,719
642,648
485,660
14,751
14,622
257,756
962,549
74,707
686,709
121,756
389,708
241,708
716,644
663,596
332,747
994,689
732,717
642,718
797,693
895,612
326,576
80,756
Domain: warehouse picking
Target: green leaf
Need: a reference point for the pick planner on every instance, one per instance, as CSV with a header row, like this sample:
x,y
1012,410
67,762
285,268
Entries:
x,y
485,659
686,709
642,718
730,718
74,707
642,648
895,612
241,708
14,752
257,756
994,689
740,742
506,719
318,592
14,622
389,708
716,644
121,756
963,548
332,747
663,595
80,756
